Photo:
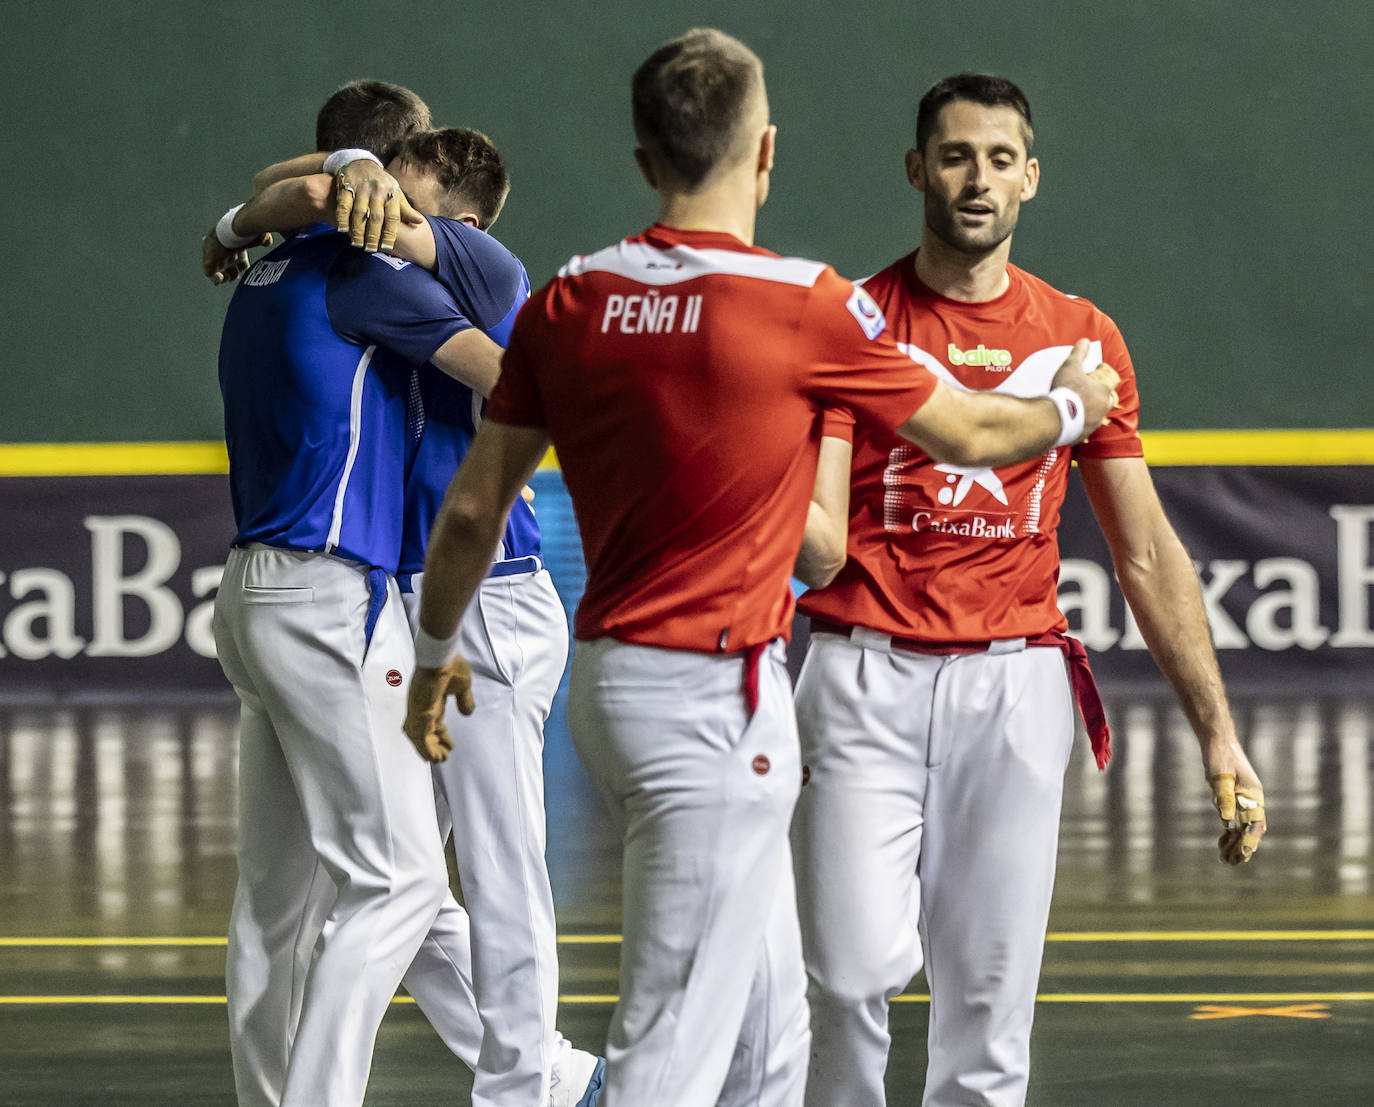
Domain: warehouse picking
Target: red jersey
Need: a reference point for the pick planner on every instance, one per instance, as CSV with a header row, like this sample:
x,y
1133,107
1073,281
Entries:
x,y
681,376
942,553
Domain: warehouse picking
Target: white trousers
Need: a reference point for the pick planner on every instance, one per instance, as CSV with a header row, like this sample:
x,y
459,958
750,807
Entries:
x,y
515,637
487,981
930,818
712,991
325,776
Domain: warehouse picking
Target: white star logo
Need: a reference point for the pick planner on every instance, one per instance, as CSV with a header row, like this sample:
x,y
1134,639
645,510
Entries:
x,y
963,479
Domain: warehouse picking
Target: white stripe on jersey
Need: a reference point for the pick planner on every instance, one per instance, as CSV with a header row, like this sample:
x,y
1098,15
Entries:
x,y
355,434
649,265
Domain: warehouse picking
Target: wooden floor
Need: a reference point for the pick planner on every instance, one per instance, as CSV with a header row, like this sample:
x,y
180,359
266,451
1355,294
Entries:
x,y
1169,979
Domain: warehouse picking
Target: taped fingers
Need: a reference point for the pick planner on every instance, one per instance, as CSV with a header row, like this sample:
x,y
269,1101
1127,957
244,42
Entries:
x,y
376,217
438,743
1242,810
1224,794
458,684
1106,376
343,203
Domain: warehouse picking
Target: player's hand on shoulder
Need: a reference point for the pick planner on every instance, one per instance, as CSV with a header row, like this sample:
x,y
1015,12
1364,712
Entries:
x,y
1239,799
370,206
1097,389
222,264
429,690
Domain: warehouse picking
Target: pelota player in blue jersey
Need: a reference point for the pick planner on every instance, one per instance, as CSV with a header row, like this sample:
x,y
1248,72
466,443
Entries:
x,y
310,628
518,630
494,784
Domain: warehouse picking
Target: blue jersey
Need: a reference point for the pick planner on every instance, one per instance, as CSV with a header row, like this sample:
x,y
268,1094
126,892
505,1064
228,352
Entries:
x,y
315,360
489,285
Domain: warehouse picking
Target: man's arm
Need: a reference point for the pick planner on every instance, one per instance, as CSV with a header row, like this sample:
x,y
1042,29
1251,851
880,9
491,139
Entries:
x,y
471,358
372,208
1159,582
224,264
287,204
362,200
822,553
986,429
221,263
466,531
302,166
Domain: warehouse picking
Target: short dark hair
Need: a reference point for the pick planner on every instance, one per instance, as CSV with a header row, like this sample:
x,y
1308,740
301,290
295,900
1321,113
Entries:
x,y
977,88
371,115
688,98
468,167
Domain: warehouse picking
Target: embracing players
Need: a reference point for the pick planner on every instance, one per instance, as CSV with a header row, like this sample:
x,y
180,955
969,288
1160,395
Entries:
x,y
407,427
935,705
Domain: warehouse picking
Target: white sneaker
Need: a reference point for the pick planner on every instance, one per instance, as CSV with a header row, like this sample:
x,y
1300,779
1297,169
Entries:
x,y
576,1077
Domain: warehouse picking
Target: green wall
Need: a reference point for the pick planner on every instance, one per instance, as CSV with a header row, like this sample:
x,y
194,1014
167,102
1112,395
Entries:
x,y
1206,172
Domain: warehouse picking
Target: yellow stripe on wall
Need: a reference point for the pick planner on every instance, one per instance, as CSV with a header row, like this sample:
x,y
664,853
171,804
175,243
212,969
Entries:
x,y
108,459
1259,447
1193,447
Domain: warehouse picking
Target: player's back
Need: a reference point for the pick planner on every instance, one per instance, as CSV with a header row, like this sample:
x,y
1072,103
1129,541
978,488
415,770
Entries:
x,y
489,285
679,374
313,422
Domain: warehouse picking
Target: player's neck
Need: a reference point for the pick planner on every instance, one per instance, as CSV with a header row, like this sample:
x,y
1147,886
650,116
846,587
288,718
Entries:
x,y
959,276
728,207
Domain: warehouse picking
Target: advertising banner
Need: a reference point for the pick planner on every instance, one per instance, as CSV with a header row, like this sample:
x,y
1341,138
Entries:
x,y
107,584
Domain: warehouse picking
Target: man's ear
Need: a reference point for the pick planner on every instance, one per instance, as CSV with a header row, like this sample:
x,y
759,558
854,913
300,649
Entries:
x,y
1031,185
646,167
916,170
768,146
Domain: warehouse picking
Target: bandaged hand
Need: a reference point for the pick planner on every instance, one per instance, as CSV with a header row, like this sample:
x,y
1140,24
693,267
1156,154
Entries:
x,y
429,689
1242,811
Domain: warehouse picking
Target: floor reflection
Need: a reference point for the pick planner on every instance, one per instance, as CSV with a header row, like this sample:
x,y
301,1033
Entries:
x,y
1142,833
120,821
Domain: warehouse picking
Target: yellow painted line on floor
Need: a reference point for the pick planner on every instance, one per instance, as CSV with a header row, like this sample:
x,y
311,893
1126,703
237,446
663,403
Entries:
x,y
1163,447
1211,936
78,943
589,939
592,999
615,939
77,1001
1205,997
1186,997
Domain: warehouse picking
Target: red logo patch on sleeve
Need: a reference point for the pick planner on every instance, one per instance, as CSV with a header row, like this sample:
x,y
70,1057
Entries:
x,y
393,677
762,765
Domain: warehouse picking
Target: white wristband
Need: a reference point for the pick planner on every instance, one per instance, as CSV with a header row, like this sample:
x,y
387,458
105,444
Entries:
x,y
1071,415
434,653
339,158
229,238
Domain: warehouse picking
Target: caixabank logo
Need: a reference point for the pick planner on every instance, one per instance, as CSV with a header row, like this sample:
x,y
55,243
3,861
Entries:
x,y
131,602
1314,596
922,497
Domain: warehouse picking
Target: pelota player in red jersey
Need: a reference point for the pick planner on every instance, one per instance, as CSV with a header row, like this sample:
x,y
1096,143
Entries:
x,y
935,705
680,375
